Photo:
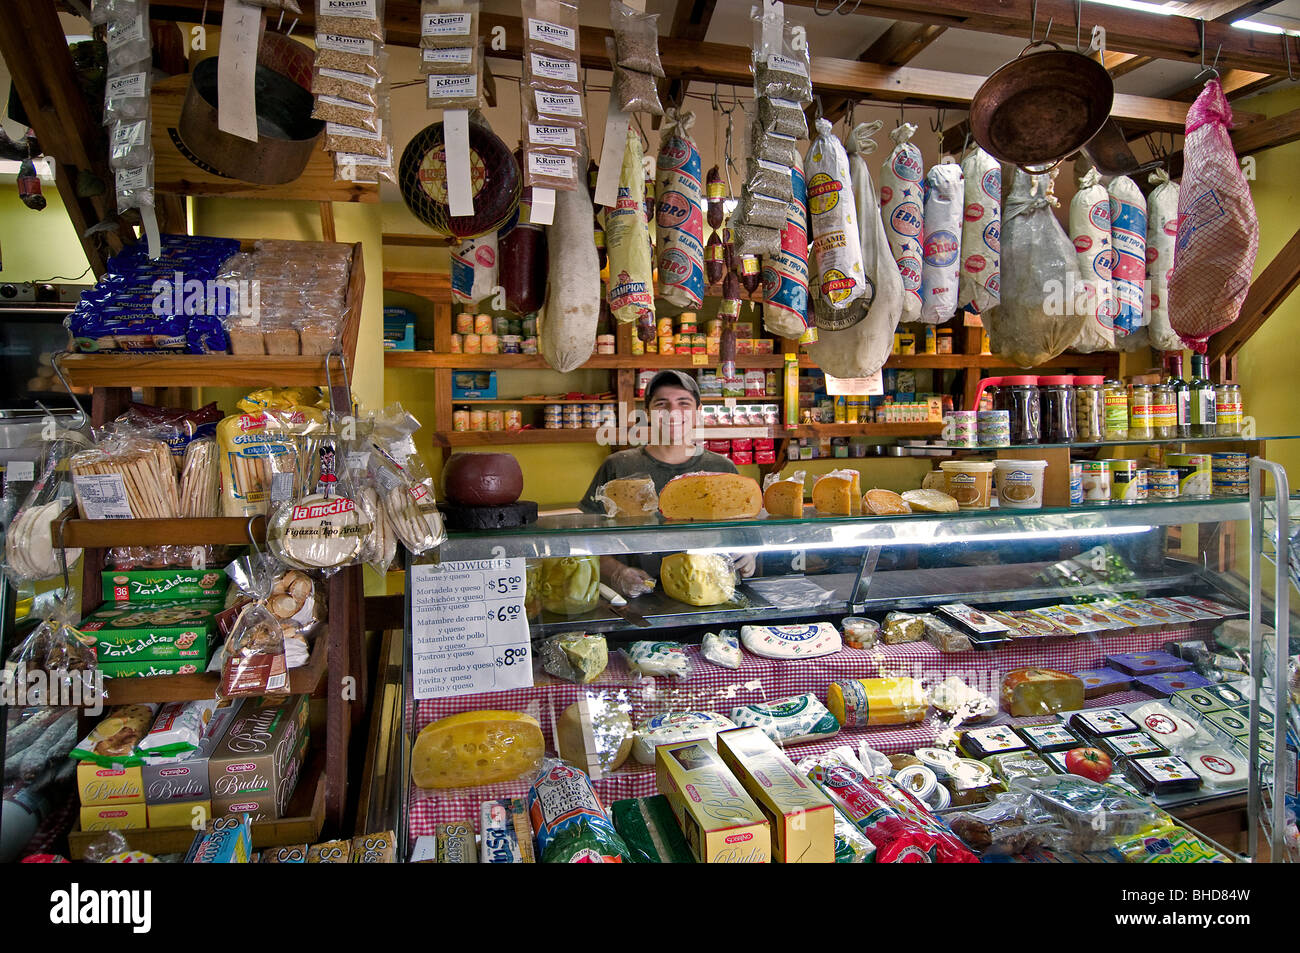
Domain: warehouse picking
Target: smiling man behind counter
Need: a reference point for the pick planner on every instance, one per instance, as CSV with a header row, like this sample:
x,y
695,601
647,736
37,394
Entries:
x,y
672,400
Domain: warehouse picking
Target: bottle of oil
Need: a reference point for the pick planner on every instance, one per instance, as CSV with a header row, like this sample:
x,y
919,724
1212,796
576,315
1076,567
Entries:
x,y
1204,417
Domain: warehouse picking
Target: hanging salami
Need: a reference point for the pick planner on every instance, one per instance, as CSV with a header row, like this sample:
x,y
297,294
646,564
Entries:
x,y
1128,235
679,219
1162,232
981,247
1090,235
785,277
944,195
627,233
841,293
901,195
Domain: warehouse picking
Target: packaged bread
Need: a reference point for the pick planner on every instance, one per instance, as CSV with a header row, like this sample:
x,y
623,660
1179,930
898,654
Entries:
x,y
254,447
783,496
838,493
711,496
628,496
705,579
930,501
885,503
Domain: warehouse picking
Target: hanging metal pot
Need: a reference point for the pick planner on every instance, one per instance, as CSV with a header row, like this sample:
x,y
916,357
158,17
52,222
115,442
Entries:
x,y
1041,108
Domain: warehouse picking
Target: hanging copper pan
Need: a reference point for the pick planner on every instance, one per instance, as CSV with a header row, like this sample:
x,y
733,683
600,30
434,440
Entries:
x,y
1041,108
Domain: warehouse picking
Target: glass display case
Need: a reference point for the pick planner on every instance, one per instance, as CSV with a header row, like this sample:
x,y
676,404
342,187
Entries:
x,y
477,669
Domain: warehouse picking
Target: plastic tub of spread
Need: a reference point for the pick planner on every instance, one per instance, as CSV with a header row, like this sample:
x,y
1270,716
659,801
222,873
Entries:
x,y
1020,483
859,633
969,482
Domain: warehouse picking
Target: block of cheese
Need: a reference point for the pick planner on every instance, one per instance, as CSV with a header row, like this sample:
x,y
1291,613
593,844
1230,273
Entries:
x,y
791,641
722,648
1218,768
476,747
885,503
866,702
838,493
698,579
801,816
711,496
791,721
628,496
785,497
594,733
1040,691
575,656
673,726
930,501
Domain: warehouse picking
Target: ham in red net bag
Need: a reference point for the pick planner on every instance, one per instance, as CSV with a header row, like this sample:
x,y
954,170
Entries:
x,y
1218,231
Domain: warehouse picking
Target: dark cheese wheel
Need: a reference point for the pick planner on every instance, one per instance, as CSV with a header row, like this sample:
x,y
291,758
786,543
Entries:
x,y
494,176
483,479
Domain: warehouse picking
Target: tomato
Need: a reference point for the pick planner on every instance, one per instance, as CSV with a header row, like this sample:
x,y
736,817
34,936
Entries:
x,y
1091,763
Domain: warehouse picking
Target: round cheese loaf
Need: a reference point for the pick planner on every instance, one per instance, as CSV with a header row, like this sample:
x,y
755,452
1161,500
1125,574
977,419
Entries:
x,y
483,479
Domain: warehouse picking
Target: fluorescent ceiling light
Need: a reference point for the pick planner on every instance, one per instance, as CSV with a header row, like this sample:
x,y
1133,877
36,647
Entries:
x,y
1158,9
1263,27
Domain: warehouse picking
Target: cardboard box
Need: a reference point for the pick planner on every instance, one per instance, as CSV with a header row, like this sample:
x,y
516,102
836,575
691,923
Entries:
x,y
254,768
179,813
764,443
722,824
162,631
742,457
114,817
98,786
163,585
762,457
800,816
148,669
185,777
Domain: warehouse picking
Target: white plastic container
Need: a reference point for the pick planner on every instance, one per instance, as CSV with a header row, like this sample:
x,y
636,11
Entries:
x,y
1020,484
969,482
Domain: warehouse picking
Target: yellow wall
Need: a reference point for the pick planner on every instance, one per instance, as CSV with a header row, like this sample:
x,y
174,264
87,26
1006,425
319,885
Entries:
x,y
1267,365
37,245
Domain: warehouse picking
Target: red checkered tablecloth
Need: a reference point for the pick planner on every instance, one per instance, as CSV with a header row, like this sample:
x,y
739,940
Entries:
x,y
712,688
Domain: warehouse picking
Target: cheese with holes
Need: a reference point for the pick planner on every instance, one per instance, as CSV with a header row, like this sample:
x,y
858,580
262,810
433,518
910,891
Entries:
x,y
476,747
866,702
710,496
838,493
791,721
1040,691
704,579
791,641
784,498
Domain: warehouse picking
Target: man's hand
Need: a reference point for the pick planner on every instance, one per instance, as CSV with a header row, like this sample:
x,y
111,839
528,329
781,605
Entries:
x,y
630,581
744,564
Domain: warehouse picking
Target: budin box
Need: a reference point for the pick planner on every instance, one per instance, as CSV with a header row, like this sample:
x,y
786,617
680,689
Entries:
x,y
254,768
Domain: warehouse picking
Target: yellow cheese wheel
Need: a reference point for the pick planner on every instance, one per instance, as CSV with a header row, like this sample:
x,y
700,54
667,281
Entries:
x,y
886,503
865,702
698,580
631,496
836,495
611,736
784,498
711,496
476,747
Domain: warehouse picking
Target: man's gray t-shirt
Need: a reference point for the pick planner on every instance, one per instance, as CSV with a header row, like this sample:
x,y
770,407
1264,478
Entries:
x,y
637,462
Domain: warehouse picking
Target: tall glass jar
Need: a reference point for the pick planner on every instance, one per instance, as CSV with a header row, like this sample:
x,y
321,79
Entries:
x,y
1056,397
1141,406
1089,408
1115,422
1019,396
1164,412
1228,421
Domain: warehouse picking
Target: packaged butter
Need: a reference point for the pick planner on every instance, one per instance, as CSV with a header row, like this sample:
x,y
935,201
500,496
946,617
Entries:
x,y
789,722
721,822
649,828
801,818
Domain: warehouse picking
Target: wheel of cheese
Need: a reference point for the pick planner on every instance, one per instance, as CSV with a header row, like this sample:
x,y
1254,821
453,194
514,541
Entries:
x,y
495,180
483,479
930,501
702,579
711,496
784,498
629,496
886,503
476,747
791,641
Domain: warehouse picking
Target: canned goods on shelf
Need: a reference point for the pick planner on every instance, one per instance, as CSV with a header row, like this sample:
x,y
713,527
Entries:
x,y
1123,480
478,420
460,420
491,344
496,420
1076,484
483,324
1096,481
511,344
473,344
457,343
464,324
1162,483
514,420
528,345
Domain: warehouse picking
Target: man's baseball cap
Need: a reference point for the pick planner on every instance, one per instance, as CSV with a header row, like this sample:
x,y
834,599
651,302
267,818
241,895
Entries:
x,y
672,378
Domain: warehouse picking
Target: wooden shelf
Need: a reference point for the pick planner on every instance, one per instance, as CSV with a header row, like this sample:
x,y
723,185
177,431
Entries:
x,y
218,531
880,431
492,438
304,818
303,680
534,400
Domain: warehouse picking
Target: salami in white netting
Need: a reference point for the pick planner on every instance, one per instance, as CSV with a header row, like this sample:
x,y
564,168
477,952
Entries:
x,y
1090,233
901,198
1162,232
1218,230
944,200
981,239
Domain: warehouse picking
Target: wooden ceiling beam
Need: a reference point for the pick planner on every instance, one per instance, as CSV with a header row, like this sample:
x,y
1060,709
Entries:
x,y
1174,37
897,46
1253,138
1121,64
691,20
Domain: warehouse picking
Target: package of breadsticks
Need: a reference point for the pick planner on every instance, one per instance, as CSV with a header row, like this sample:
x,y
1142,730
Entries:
x,y
126,475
